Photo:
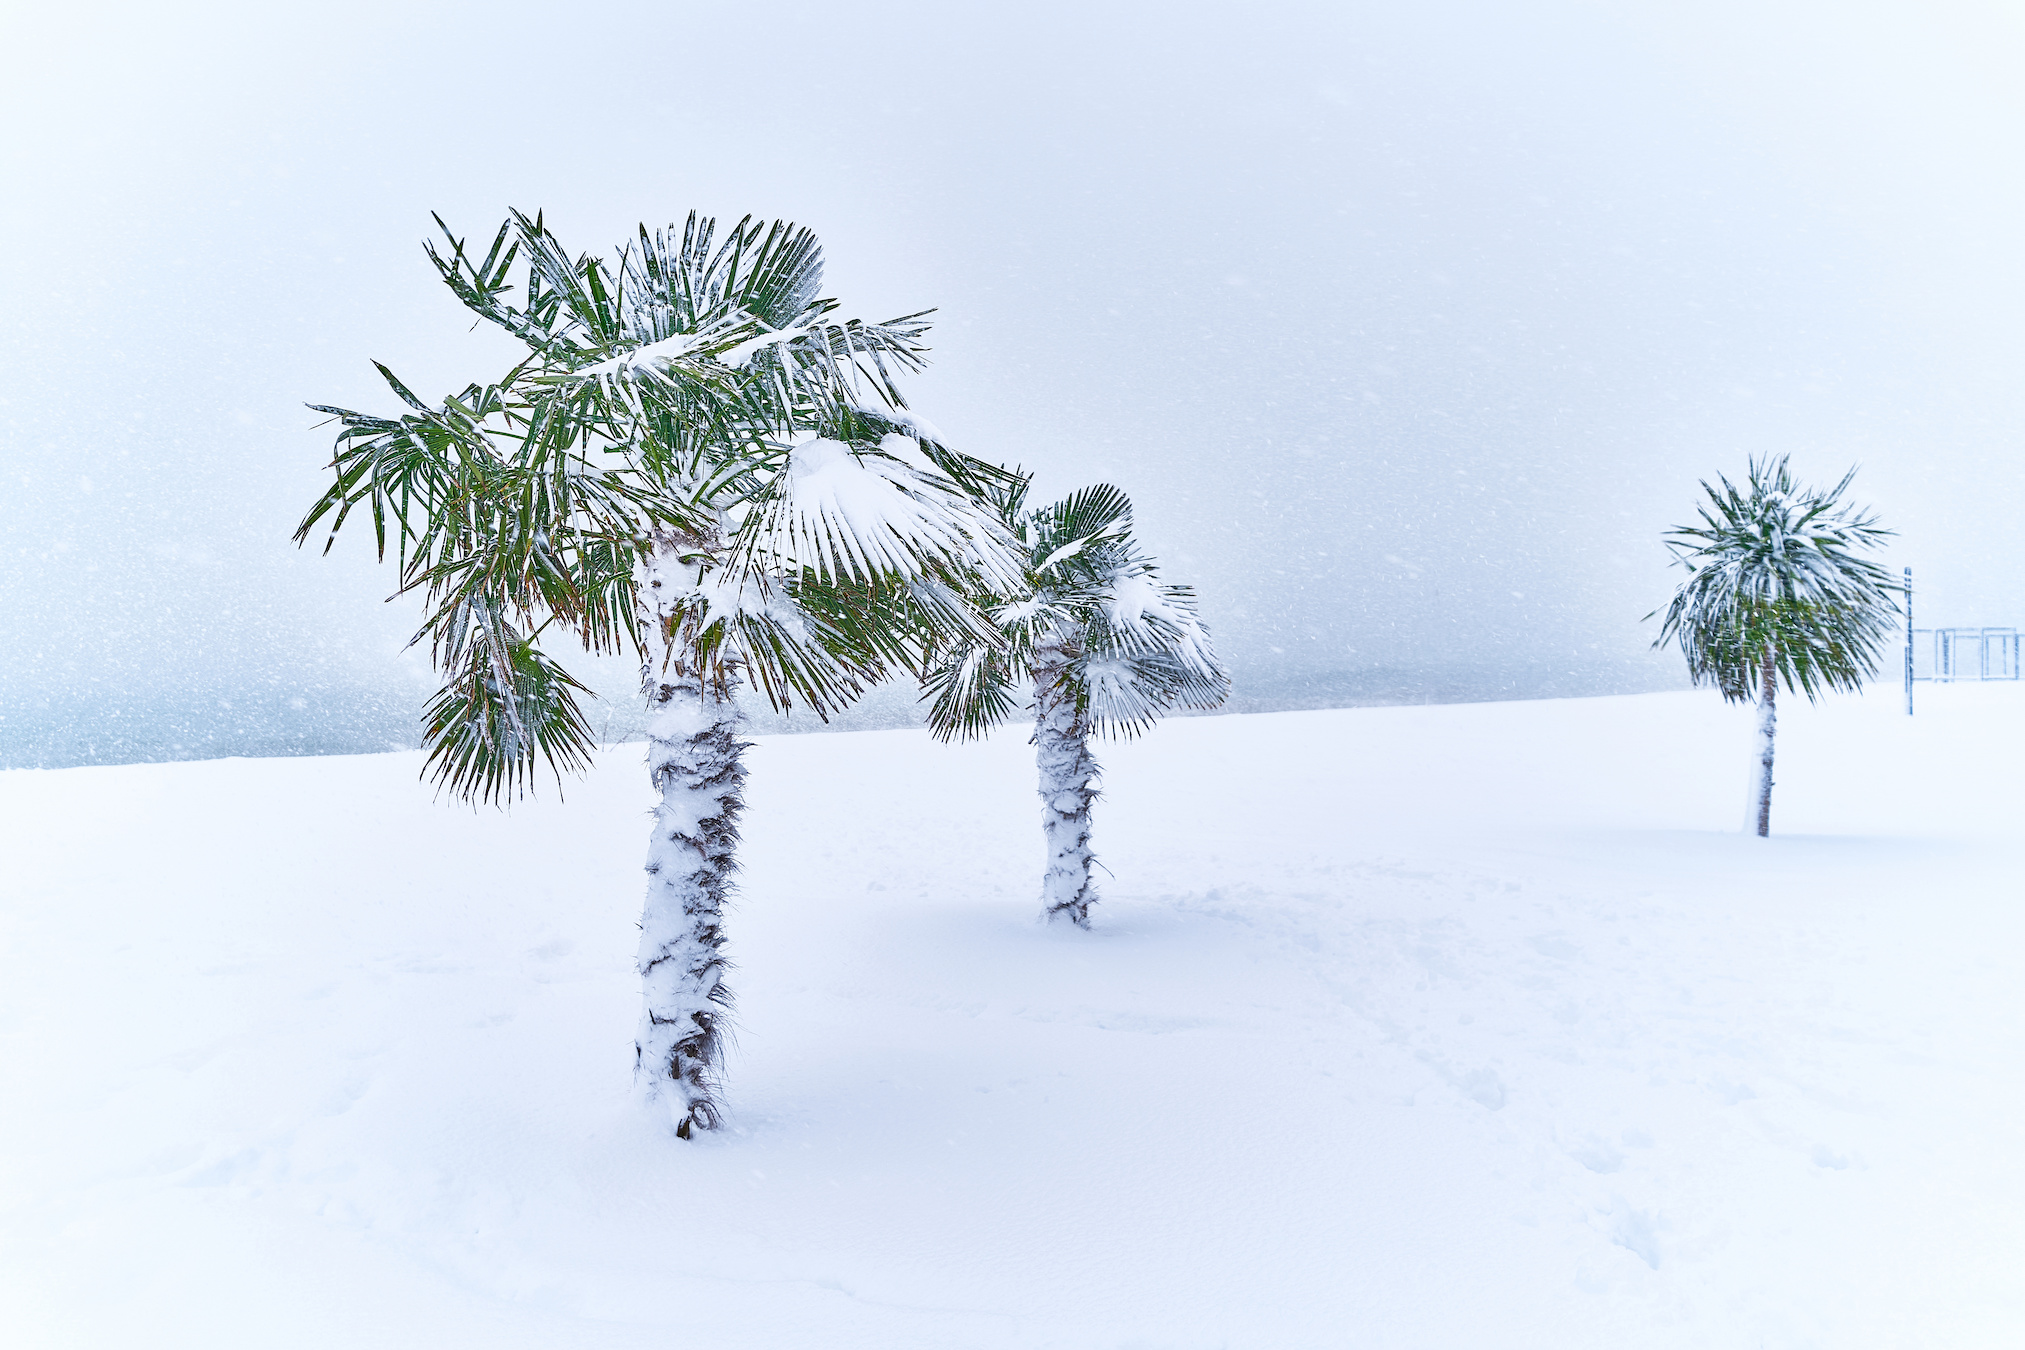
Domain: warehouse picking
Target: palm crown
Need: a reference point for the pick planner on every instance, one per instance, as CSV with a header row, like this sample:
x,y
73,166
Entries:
x,y
1092,609
1775,579
693,397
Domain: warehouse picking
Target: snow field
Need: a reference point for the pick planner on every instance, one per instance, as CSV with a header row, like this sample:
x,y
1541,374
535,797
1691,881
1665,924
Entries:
x,y
1478,1025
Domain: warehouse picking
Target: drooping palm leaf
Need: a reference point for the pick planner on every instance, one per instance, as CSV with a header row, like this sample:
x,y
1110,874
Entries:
x,y
505,708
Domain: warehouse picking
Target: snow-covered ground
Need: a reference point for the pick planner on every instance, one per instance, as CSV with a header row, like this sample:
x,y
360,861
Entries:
x,y
1470,1026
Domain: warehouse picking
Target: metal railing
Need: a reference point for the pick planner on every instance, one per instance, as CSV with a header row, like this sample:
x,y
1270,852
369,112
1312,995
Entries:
x,y
1956,655
1947,655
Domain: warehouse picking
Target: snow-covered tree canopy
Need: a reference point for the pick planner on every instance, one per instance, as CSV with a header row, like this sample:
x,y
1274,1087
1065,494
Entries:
x,y
694,393
1130,646
1775,576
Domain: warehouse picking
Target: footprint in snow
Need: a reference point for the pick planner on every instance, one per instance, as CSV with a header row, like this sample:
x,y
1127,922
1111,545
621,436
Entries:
x,y
1597,1156
1483,1087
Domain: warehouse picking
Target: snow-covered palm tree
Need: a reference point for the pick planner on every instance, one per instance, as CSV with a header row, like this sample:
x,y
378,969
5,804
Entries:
x,y
696,458
1101,646
1776,591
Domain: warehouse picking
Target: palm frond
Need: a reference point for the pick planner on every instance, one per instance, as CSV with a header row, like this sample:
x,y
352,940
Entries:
x,y
851,516
1775,573
794,643
506,710
1004,489
1130,647
1078,521
1144,652
971,688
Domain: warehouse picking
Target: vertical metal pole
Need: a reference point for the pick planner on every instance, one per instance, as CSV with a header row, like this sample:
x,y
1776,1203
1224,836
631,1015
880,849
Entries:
x,y
1908,642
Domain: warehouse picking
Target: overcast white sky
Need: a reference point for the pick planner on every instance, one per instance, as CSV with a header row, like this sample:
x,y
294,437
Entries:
x,y
1409,327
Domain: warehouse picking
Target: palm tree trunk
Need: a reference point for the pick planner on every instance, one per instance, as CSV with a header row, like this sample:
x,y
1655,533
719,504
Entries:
x,y
694,755
1069,775
1768,727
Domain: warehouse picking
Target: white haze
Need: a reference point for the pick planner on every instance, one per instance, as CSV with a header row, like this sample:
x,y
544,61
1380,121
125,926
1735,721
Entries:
x,y
1408,328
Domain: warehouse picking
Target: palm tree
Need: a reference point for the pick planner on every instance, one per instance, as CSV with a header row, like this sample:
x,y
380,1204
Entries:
x,y
1776,591
696,459
1104,647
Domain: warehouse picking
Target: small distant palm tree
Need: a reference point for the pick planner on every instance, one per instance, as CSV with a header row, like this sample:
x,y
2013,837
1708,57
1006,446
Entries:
x,y
1776,591
696,459
1102,646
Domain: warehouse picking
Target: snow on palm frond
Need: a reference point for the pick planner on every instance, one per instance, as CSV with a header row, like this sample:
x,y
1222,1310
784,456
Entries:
x,y
1774,574
1150,671
798,643
850,516
903,434
509,708
1134,645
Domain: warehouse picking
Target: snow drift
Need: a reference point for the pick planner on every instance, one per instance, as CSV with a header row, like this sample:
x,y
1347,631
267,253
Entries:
x,y
1472,1025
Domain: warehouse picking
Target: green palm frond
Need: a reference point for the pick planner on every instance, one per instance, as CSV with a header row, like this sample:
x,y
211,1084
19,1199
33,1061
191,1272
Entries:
x,y
853,514
1134,647
791,655
1143,653
769,273
1003,489
973,688
506,709
1775,572
1081,521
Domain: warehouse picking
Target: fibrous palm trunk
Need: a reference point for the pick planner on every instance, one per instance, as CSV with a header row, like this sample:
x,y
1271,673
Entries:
x,y
1768,727
1069,775
694,755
